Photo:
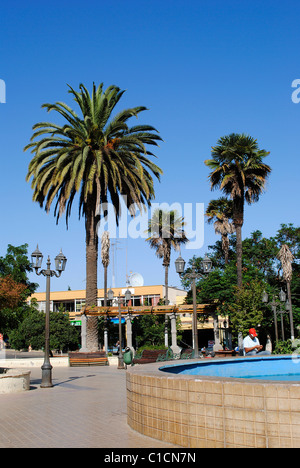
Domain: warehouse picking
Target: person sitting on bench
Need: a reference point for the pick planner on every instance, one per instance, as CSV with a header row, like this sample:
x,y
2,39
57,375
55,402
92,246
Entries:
x,y
252,346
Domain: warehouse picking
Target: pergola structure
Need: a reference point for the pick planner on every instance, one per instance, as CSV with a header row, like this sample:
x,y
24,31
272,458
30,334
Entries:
x,y
170,311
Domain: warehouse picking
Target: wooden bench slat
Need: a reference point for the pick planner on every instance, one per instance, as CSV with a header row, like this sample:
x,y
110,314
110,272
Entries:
x,y
149,355
88,359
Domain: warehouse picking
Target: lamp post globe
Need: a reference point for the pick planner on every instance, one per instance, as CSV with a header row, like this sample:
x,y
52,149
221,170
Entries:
x,y
36,258
206,264
180,265
110,294
127,295
60,261
282,296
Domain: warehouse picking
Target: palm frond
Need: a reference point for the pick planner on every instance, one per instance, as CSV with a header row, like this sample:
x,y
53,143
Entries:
x,y
92,153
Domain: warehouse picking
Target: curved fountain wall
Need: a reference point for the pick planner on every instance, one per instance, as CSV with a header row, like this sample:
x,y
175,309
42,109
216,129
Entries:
x,y
205,411
14,380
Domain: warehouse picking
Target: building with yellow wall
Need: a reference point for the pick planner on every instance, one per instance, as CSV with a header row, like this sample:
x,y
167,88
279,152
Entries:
x,y
73,301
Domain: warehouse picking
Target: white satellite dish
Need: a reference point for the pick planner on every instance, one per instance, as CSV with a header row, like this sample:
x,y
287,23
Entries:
x,y
136,279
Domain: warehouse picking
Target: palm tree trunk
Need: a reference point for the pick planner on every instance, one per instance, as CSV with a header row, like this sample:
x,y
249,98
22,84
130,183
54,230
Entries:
x,y
166,284
166,264
166,303
91,278
105,286
239,255
238,221
225,246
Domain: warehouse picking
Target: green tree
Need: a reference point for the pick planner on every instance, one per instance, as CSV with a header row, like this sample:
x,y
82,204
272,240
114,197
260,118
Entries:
x,y
237,168
261,267
217,287
260,252
17,265
14,269
98,156
246,311
63,336
290,235
149,330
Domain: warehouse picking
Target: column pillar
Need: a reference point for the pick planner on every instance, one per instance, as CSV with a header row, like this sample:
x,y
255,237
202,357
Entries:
x,y
166,332
217,345
175,348
105,335
128,319
83,333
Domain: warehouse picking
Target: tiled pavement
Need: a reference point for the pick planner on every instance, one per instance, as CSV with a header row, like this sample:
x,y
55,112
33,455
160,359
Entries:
x,y
85,408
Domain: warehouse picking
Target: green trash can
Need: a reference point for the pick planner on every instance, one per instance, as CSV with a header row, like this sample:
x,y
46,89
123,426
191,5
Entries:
x,y
128,356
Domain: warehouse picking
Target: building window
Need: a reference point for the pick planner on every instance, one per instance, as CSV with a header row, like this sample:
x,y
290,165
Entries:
x,y
79,304
41,306
65,306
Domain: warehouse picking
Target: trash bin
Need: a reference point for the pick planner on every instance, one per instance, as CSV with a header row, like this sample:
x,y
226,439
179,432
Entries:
x,y
128,356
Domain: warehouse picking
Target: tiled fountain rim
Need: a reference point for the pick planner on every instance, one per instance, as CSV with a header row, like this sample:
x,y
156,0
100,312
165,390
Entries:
x,y
14,380
204,411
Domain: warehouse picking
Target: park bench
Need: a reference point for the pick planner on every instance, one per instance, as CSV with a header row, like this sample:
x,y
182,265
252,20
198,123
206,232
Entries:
x,y
169,355
150,355
225,353
187,353
88,359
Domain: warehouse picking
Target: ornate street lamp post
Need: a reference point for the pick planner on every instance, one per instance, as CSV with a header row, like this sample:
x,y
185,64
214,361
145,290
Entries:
x,y
273,304
110,296
60,265
206,266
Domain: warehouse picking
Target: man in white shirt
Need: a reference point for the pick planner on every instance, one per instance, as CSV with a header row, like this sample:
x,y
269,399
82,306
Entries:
x,y
252,346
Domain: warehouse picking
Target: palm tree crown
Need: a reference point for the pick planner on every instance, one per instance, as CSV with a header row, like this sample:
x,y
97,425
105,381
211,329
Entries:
x,y
237,168
166,231
92,154
220,211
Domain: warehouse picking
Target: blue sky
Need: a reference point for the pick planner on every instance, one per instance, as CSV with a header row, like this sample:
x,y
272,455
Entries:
x,y
204,68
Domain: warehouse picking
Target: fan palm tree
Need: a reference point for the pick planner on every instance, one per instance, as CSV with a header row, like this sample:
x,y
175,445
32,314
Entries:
x,y
286,258
105,246
237,168
166,231
220,211
98,156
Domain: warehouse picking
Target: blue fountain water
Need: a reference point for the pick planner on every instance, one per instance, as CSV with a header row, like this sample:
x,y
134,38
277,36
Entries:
x,y
283,368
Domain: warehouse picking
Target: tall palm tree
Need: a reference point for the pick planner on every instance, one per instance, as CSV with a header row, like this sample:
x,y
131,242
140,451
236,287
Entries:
x,y
220,211
286,258
237,168
166,231
98,156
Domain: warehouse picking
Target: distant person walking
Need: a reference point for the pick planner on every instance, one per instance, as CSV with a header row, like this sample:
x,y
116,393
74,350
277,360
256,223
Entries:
x,y
252,346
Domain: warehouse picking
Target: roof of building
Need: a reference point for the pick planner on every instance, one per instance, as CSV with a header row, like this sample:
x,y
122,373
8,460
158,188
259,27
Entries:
x,y
81,293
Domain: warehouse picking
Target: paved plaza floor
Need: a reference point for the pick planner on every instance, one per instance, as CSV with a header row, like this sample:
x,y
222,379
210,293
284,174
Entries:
x,y
85,408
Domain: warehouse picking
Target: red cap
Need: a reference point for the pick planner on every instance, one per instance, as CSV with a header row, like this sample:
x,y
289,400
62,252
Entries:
x,y
252,331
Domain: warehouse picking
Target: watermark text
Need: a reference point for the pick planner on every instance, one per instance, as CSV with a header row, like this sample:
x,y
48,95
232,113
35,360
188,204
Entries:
x,y
296,94
2,92
137,226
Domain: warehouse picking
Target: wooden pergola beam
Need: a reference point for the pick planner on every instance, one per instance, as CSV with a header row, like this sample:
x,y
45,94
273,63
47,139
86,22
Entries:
x,y
146,310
